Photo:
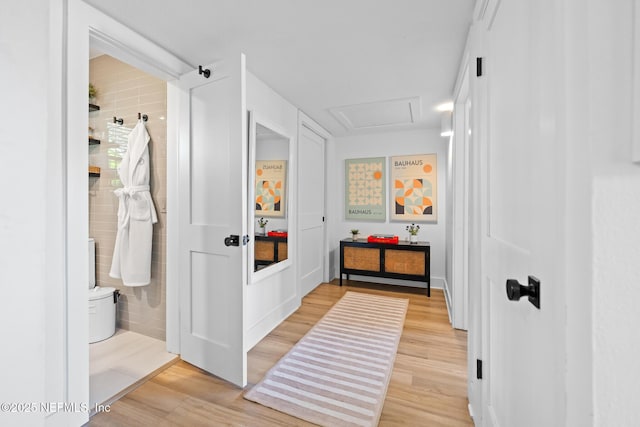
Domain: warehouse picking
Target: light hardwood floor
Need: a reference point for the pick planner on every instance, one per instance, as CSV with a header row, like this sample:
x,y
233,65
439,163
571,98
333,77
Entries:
x,y
428,386
121,362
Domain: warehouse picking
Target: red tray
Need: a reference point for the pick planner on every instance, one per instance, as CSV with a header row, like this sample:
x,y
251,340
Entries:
x,y
277,233
389,240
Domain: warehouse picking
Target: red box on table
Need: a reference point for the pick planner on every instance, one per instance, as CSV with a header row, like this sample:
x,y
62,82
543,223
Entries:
x,y
383,238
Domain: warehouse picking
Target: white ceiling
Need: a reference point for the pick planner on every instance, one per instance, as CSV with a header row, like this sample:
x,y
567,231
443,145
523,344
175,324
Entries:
x,y
320,54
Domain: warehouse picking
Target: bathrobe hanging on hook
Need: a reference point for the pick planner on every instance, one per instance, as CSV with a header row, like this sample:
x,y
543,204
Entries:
x,y
136,213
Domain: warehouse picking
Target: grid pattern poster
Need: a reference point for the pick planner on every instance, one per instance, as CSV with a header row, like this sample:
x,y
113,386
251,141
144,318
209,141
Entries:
x,y
270,187
414,188
365,189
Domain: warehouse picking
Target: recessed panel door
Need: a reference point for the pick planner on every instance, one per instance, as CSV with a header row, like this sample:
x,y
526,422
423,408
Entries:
x,y
212,216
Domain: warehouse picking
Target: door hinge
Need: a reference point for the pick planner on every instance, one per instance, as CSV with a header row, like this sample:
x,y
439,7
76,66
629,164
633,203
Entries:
x,y
478,67
479,369
245,240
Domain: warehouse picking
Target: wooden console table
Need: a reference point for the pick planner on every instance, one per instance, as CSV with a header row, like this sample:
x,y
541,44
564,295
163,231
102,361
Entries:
x,y
269,250
408,261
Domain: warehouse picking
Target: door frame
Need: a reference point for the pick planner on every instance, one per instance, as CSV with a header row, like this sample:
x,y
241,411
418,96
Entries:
x,y
460,193
475,222
86,24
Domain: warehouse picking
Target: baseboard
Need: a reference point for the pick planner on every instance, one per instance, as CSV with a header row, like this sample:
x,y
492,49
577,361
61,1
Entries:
x,y
493,419
447,299
436,282
270,321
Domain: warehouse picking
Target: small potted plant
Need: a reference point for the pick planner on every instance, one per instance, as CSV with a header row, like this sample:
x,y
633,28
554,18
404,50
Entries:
x,y
413,232
262,223
354,233
92,93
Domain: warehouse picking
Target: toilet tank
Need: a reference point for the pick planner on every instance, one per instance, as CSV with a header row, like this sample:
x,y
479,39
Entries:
x,y
92,263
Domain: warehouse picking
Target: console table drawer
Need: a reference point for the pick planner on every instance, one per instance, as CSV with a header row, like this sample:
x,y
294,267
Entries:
x,y
404,262
366,259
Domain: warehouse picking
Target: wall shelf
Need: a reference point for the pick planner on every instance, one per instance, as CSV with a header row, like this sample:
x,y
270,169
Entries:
x,y
94,171
94,107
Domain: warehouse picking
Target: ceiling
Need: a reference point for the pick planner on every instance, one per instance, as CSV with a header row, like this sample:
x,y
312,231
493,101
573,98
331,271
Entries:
x,y
327,57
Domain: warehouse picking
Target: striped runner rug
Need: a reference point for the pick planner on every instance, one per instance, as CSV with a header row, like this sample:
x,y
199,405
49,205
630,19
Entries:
x,y
338,373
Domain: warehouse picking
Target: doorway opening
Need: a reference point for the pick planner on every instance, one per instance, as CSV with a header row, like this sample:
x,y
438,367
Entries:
x,y
137,349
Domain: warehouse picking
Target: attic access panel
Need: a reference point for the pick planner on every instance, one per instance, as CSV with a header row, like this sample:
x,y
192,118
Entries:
x,y
380,113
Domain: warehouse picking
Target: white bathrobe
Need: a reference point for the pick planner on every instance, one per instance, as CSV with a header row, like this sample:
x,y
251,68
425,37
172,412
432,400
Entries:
x,y
136,213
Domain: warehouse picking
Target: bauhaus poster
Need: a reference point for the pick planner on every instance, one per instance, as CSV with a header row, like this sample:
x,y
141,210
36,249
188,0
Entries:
x,y
414,188
365,189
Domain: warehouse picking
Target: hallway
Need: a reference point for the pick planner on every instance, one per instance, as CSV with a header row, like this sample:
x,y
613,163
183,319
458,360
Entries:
x,y
428,386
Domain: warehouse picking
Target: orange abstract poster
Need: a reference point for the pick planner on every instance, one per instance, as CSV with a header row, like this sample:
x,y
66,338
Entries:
x,y
270,188
414,188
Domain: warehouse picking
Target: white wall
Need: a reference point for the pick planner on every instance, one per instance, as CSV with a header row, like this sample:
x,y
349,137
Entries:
x,y
35,364
386,144
271,300
615,208
23,240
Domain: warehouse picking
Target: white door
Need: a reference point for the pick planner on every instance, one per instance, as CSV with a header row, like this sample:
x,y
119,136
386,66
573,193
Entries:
x,y
311,208
212,194
523,346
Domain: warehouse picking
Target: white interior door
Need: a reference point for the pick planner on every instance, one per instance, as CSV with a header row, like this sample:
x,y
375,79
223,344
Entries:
x,y
523,345
212,206
311,158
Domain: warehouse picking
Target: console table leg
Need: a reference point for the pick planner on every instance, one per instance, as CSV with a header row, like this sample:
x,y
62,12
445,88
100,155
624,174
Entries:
x,y
340,278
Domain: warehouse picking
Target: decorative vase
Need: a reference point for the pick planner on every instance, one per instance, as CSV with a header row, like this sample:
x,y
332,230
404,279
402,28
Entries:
x,y
413,238
354,237
262,231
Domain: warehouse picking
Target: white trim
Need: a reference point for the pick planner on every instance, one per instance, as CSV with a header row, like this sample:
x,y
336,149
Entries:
x,y
635,122
85,22
492,419
447,299
255,118
121,42
471,413
173,236
256,332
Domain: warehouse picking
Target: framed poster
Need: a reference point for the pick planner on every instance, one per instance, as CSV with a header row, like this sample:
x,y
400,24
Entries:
x,y
365,189
414,188
270,188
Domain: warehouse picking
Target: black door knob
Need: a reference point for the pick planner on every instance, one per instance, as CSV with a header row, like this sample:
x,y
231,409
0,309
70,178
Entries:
x,y
233,240
515,290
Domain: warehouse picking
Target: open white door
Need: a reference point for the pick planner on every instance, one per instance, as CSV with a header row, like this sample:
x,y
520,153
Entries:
x,y
523,346
311,180
212,192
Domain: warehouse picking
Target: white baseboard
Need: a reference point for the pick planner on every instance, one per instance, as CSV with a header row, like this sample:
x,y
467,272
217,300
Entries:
x,y
270,321
447,299
471,414
436,282
493,419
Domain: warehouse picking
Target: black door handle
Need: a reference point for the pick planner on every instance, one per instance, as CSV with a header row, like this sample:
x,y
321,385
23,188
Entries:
x,y
515,290
233,240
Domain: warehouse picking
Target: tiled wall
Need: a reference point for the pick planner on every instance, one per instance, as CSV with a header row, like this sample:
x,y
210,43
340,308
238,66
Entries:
x,y
123,91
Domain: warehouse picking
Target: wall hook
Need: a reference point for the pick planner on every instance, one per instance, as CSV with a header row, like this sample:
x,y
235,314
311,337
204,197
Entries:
x,y
119,121
206,71
144,117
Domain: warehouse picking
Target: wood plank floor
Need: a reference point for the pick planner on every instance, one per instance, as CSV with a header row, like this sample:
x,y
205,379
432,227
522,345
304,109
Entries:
x,y
428,386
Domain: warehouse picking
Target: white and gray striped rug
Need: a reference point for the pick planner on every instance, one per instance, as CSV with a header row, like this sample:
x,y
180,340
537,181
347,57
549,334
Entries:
x,y
338,373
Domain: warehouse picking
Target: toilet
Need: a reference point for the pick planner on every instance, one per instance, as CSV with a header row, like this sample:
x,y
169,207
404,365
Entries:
x,y
102,303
